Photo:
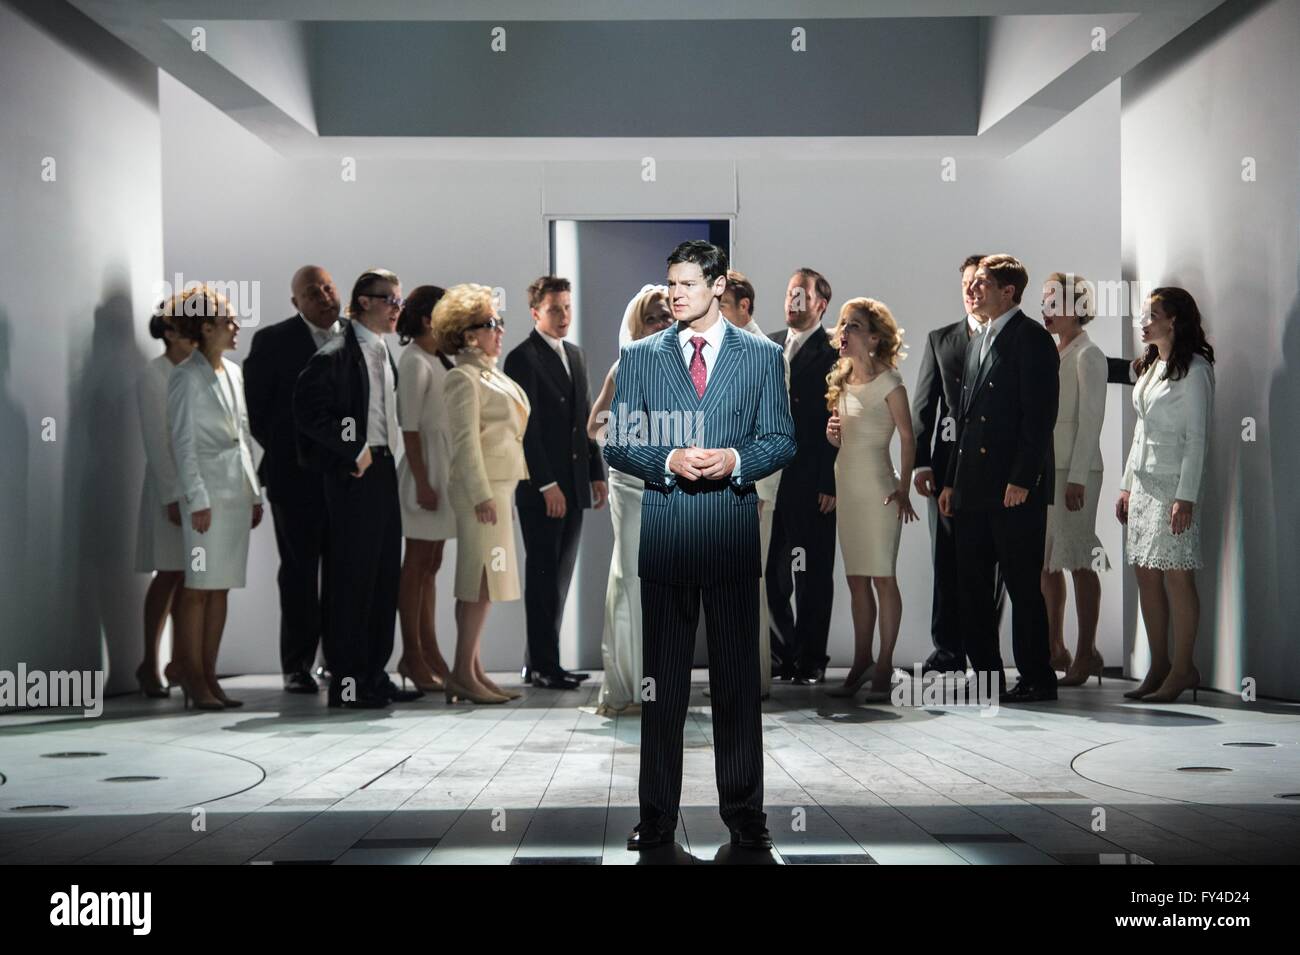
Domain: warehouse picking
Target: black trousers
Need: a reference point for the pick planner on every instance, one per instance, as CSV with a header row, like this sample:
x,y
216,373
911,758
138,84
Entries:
x,y
670,615
364,557
550,552
799,637
300,519
945,610
1012,538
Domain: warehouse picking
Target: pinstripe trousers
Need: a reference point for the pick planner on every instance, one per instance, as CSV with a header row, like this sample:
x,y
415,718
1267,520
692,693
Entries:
x,y
670,614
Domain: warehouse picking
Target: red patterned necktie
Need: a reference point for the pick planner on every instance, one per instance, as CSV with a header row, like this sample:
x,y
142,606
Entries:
x,y
697,364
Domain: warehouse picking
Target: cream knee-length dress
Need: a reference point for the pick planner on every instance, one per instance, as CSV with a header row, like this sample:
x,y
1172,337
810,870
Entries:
x,y
868,528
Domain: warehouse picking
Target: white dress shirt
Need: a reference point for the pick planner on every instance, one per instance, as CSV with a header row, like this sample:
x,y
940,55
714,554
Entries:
x,y
381,415
712,344
991,330
557,346
793,339
321,335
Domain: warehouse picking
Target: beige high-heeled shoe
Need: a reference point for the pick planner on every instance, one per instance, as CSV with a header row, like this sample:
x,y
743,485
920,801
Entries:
x,y
1173,692
455,693
1093,668
437,686
850,689
1147,686
1063,663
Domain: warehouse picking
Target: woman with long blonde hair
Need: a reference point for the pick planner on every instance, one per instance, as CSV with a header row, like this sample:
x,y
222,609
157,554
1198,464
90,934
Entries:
x,y
868,402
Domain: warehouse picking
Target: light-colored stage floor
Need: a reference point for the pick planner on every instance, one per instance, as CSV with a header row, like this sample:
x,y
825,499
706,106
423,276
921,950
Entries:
x,y
1090,779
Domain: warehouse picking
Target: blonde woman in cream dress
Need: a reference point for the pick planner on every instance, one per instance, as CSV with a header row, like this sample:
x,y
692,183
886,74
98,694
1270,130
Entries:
x,y
868,402
487,414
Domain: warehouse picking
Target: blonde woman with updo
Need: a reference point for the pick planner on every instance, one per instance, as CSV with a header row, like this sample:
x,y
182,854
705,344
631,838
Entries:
x,y
868,402
487,414
620,644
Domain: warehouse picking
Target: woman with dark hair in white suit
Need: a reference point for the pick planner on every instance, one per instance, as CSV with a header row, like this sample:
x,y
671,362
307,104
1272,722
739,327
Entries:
x,y
1072,542
159,546
1174,398
212,447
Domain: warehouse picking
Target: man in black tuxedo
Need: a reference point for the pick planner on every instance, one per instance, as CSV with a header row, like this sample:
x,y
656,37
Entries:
x,y
345,407
803,525
279,354
938,391
565,473
1000,482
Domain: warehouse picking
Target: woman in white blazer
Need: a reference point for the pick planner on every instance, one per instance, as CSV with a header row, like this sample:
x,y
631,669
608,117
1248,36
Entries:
x,y
1173,398
487,414
159,546
427,518
212,448
1072,542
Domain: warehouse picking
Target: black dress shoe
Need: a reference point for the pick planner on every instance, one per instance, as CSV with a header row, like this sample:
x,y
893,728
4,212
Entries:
x,y
300,682
554,681
579,677
810,677
1024,692
651,835
390,691
937,664
751,835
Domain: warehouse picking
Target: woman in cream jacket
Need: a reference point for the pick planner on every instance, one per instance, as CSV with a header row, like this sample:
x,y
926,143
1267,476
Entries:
x,y
1072,542
221,496
1173,398
486,417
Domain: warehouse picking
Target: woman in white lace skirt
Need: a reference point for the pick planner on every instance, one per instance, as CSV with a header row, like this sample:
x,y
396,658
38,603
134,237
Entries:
x,y
1173,398
1072,542
620,644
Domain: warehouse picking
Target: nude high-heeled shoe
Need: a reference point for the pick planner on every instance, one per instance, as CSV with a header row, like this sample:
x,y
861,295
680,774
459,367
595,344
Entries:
x,y
437,686
1081,676
455,693
850,689
150,685
1169,692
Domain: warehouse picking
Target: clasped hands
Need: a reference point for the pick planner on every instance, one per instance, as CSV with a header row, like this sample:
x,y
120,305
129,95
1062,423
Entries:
x,y
692,464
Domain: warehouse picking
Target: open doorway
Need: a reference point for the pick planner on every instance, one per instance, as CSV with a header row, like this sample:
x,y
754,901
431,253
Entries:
x,y
608,260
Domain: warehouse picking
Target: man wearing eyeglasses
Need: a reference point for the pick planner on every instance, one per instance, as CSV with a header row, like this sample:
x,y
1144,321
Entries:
x,y
345,406
566,473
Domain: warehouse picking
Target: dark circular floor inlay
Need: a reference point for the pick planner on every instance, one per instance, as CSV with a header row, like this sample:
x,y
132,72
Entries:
x,y
49,808
1287,796
1204,769
70,755
1250,744
131,779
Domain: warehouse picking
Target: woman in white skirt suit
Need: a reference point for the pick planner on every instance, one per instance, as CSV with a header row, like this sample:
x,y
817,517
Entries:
x,y
427,518
487,414
159,547
1174,400
212,448
620,644
1072,542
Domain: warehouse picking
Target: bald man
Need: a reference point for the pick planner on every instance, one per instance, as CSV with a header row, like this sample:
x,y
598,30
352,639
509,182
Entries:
x,y
278,354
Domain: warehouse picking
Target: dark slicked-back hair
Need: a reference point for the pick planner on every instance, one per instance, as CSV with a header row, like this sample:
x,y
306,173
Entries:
x,y
969,261
418,306
710,258
544,286
740,288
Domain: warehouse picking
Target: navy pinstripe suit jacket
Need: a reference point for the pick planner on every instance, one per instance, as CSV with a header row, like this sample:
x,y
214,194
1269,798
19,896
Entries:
x,y
703,531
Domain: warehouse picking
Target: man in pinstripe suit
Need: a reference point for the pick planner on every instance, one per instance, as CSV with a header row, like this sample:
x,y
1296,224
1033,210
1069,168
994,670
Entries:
x,y
700,413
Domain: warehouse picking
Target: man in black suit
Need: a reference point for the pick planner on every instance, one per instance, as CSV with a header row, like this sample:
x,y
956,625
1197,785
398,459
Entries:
x,y
1000,482
565,473
938,391
279,354
345,406
803,525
